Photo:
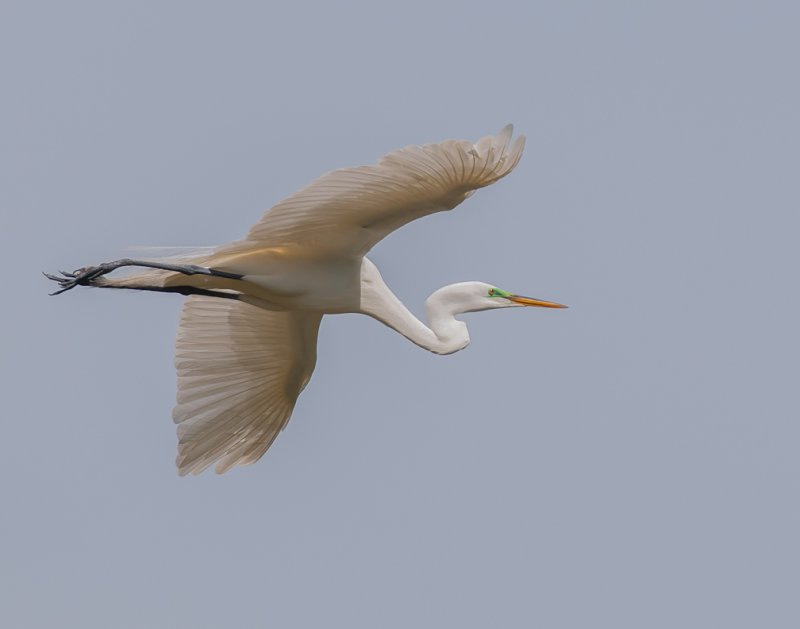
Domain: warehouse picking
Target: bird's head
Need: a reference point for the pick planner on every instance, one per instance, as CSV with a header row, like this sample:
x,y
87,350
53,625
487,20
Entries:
x,y
477,296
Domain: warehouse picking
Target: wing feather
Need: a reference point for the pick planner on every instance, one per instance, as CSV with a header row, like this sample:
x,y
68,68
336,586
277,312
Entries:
x,y
347,211
240,371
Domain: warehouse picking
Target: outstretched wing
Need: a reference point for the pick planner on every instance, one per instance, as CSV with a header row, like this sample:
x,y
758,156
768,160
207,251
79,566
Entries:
x,y
347,211
240,370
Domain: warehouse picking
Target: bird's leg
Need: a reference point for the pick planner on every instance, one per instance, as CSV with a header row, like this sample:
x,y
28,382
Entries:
x,y
182,290
87,275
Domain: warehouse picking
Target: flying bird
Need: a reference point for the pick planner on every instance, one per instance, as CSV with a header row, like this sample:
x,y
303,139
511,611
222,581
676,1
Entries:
x,y
247,339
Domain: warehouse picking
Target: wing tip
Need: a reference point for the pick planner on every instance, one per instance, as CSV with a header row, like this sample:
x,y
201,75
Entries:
x,y
516,150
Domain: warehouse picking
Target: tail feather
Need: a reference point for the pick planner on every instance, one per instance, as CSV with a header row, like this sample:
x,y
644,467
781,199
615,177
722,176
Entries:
x,y
136,277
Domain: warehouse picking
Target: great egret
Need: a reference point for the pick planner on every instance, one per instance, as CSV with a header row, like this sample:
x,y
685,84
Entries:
x,y
247,339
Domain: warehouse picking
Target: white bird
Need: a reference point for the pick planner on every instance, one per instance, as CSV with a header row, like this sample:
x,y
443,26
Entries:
x,y
247,339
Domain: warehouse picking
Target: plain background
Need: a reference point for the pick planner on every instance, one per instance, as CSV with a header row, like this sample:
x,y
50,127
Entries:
x,y
630,462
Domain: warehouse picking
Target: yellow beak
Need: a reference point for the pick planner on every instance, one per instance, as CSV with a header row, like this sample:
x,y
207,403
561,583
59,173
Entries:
x,y
530,301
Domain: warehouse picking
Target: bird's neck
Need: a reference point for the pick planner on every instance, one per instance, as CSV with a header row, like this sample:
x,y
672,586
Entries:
x,y
445,335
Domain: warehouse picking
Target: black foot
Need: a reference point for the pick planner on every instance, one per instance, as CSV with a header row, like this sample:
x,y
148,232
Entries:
x,y
80,277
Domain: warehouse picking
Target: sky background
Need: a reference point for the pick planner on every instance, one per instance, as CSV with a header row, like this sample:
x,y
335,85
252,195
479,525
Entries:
x,y
630,462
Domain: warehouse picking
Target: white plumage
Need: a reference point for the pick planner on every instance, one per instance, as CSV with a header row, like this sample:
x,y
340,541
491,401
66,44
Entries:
x,y
247,340
347,211
240,370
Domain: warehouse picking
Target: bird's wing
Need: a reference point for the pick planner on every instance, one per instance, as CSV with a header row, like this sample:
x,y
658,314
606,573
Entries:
x,y
347,211
240,370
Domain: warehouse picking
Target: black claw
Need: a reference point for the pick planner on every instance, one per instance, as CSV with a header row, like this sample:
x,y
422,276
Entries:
x,y
68,281
64,288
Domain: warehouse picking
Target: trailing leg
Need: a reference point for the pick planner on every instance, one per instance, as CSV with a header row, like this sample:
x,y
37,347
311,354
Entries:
x,y
88,275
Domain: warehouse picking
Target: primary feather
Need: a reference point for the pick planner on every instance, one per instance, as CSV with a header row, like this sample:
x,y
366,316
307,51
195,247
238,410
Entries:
x,y
240,370
347,211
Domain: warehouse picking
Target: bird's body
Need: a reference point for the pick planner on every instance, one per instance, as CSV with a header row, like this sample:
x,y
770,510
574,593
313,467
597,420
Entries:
x,y
247,340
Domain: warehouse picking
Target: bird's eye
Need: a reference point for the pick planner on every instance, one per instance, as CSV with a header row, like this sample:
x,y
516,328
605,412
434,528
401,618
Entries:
x,y
491,292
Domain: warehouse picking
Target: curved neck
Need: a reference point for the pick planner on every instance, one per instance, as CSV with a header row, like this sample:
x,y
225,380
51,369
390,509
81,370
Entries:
x,y
445,335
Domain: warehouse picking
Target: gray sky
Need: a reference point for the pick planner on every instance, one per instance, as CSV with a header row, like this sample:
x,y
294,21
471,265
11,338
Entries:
x,y
628,463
